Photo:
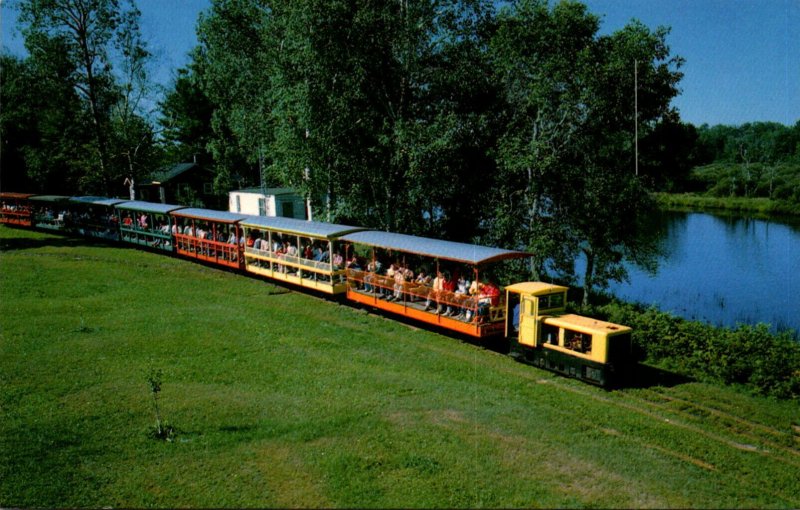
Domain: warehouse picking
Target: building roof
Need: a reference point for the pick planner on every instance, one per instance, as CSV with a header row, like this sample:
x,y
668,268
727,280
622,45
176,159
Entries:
x,y
459,252
300,227
267,191
210,215
167,173
139,205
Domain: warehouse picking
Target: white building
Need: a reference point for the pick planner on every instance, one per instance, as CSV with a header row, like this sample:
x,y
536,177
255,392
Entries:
x,y
283,202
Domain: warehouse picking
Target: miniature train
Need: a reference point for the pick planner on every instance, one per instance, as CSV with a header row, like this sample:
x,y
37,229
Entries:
x,y
403,275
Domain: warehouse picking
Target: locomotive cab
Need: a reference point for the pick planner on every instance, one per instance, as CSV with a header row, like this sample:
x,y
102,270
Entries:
x,y
543,335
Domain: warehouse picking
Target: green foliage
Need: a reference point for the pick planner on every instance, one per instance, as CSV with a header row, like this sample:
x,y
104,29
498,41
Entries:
x,y
88,81
764,362
566,185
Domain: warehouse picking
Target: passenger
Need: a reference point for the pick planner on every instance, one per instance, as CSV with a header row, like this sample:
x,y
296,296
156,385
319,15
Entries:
x,y
337,260
127,221
448,287
399,282
462,287
436,290
384,289
352,263
474,290
489,296
373,268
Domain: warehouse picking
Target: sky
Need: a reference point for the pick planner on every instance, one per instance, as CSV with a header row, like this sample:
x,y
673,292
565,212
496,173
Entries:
x,y
742,56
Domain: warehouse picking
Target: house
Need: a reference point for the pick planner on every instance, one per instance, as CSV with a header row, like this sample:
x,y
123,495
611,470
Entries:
x,y
184,184
283,202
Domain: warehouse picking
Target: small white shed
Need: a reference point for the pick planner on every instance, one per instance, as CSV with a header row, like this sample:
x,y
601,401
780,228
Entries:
x,y
281,202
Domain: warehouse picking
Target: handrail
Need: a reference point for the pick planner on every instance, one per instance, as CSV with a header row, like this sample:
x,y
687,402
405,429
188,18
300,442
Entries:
x,y
480,305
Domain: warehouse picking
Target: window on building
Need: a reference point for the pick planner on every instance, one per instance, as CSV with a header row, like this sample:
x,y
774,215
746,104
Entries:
x,y
208,188
262,206
287,209
238,203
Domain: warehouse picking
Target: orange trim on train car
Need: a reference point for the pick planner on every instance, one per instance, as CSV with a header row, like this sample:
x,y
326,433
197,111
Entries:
x,y
216,252
468,328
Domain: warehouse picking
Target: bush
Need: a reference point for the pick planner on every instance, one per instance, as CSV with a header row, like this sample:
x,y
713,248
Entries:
x,y
764,362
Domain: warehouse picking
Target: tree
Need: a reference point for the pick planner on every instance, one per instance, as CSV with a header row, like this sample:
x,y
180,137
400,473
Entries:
x,y
91,36
42,133
379,111
566,154
185,120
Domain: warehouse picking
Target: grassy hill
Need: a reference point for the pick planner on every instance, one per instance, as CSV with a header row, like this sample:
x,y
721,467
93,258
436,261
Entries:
x,y
282,399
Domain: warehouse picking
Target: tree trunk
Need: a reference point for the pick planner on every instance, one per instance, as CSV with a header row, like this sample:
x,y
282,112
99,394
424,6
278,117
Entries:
x,y
588,276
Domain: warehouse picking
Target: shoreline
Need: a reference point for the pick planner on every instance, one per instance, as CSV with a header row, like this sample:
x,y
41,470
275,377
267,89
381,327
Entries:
x,y
759,206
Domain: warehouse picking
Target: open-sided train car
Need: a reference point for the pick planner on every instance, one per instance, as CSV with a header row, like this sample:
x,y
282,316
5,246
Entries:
x,y
544,335
433,281
303,253
93,217
15,209
49,212
211,236
147,224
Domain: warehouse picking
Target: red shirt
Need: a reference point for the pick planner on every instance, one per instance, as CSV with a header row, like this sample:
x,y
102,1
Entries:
x,y
492,292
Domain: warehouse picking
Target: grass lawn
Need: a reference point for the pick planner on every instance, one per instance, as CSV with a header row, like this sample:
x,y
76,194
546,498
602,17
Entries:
x,y
286,400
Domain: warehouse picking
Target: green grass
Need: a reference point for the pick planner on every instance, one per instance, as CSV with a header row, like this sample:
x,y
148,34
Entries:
x,y
285,400
759,206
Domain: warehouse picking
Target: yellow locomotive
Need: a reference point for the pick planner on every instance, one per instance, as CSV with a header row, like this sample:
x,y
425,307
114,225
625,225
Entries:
x,y
544,335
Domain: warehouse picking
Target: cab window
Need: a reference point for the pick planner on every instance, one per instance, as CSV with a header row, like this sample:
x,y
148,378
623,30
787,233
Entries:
x,y
578,342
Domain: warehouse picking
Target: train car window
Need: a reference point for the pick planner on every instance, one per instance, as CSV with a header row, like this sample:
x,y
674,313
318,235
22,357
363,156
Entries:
x,y
578,342
550,334
550,301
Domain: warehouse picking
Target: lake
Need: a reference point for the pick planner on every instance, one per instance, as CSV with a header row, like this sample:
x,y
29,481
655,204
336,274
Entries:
x,y
723,270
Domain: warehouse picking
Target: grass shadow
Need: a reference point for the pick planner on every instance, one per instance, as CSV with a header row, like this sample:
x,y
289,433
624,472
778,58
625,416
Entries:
x,y
24,243
648,376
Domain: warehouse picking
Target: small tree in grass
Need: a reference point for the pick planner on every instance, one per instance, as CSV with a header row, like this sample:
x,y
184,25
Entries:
x,y
161,430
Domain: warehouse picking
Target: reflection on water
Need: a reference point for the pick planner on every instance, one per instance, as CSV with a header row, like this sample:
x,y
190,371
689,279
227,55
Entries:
x,y
723,270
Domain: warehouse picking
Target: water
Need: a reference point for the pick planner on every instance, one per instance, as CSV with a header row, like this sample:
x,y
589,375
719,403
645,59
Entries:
x,y
723,270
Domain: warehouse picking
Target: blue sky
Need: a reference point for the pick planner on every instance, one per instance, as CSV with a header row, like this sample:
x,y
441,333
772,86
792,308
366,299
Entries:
x,y
742,56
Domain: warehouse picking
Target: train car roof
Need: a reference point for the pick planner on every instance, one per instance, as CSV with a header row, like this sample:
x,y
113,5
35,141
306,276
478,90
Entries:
x,y
587,324
300,227
50,198
434,248
12,194
536,288
96,200
139,205
210,215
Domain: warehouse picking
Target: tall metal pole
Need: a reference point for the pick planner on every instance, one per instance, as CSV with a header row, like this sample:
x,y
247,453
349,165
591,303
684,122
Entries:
x,y
636,112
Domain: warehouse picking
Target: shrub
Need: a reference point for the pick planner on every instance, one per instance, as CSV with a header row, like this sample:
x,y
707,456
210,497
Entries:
x,y
752,356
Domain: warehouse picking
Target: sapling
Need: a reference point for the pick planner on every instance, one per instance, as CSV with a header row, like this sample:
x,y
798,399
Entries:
x,y
162,431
